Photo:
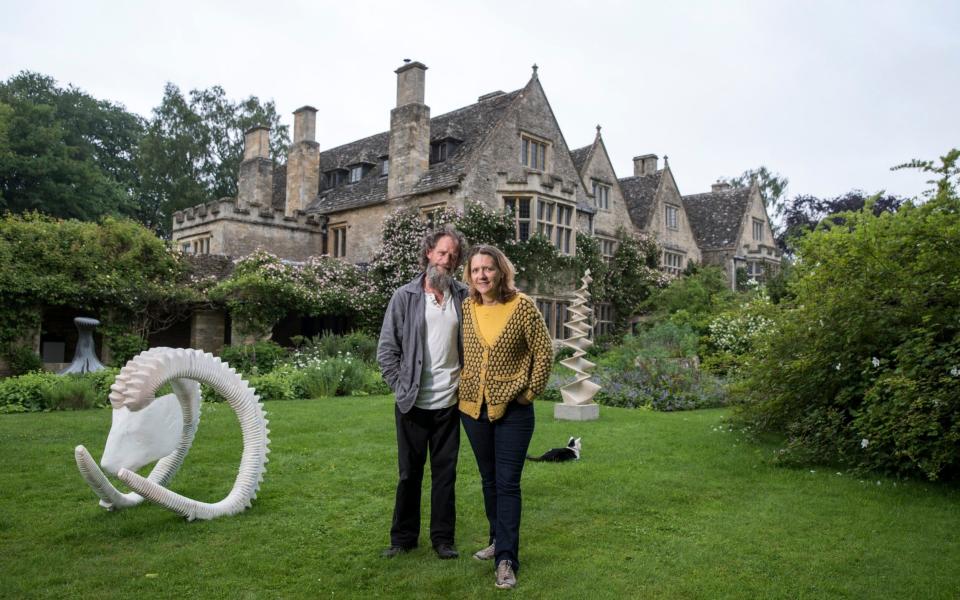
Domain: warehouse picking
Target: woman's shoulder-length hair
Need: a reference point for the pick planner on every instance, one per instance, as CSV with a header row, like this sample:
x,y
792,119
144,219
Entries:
x,y
506,289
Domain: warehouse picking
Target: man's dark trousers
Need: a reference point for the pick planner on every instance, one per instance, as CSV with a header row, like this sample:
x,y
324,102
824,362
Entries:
x,y
420,431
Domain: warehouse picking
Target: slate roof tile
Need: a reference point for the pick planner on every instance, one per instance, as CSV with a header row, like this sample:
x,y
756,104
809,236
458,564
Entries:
x,y
715,217
640,193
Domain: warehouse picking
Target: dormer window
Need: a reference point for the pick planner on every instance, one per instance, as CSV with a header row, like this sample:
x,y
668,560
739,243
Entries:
x,y
356,173
334,177
442,149
384,166
533,153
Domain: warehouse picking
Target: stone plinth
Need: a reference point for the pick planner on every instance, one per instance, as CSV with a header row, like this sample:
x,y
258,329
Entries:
x,y
576,412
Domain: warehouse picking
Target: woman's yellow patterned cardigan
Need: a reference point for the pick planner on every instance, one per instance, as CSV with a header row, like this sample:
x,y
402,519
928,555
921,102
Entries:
x,y
516,366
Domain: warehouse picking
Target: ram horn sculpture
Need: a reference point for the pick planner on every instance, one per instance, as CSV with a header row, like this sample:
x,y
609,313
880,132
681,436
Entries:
x,y
146,428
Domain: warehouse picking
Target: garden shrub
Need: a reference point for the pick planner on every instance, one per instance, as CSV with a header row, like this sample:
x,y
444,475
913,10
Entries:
x,y
26,393
863,366
22,359
124,346
734,334
41,390
252,359
357,344
72,392
276,385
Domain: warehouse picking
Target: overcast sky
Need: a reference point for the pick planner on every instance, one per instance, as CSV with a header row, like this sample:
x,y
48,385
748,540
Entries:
x,y
829,94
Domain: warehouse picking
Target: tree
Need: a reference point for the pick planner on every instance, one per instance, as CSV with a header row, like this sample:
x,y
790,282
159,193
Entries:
x,y
63,152
193,147
862,367
803,213
773,186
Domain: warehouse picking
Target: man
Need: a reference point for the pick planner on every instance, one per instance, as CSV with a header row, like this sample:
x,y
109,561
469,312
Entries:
x,y
420,354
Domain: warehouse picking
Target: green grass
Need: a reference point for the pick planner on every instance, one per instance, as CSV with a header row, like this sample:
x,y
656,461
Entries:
x,y
661,506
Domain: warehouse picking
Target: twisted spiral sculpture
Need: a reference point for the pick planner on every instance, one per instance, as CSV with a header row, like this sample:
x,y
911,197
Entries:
x,y
581,390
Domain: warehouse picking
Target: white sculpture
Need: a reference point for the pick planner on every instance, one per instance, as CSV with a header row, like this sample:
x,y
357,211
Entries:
x,y
145,429
577,395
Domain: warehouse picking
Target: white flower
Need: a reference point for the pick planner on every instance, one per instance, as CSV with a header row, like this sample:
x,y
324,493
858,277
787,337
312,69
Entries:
x,y
955,371
876,362
837,366
864,443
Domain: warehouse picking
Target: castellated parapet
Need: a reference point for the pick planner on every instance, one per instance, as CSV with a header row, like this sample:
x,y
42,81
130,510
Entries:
x,y
223,227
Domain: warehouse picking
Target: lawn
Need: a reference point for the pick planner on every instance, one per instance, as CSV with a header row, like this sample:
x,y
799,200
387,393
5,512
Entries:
x,y
662,505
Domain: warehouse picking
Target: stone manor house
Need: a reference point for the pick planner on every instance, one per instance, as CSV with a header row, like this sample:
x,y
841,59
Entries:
x,y
506,151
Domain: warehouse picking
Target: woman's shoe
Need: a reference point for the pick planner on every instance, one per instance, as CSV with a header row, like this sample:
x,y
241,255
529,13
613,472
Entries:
x,y
506,579
487,553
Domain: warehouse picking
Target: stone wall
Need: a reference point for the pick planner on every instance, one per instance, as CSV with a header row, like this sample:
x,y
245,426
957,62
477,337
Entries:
x,y
681,239
236,232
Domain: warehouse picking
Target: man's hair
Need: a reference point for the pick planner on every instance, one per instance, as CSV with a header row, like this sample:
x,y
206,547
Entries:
x,y
506,289
432,238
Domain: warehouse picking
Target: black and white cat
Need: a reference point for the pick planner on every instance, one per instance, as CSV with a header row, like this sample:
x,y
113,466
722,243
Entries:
x,y
570,452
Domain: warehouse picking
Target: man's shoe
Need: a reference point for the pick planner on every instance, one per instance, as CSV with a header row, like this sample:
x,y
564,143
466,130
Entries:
x,y
506,578
394,551
487,553
446,551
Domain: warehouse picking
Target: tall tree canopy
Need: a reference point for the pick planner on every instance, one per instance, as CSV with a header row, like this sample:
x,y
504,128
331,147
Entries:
x,y
773,186
65,153
803,213
193,147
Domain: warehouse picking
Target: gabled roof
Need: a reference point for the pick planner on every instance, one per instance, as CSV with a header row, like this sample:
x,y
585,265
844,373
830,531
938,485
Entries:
x,y
715,217
640,193
580,156
469,125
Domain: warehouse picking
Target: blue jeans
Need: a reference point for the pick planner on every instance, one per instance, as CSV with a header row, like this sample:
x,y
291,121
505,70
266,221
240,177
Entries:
x,y
501,450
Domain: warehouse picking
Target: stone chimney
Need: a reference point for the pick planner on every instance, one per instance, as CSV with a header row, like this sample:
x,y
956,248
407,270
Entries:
x,y
644,165
409,131
303,162
255,185
721,186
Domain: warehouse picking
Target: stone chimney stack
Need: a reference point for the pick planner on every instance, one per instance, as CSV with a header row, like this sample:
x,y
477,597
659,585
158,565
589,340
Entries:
x,y
303,162
644,165
255,184
720,186
409,131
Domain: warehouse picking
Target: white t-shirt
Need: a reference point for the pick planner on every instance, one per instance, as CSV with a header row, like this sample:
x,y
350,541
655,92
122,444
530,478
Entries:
x,y
440,375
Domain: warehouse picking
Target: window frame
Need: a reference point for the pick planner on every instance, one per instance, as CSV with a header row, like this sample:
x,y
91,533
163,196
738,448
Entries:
x,y
537,158
601,195
338,240
668,259
671,210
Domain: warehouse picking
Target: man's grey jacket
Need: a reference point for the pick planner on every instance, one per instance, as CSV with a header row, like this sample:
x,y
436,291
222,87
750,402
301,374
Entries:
x,y
402,336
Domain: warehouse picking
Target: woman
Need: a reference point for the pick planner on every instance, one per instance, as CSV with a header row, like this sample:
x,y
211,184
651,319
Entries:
x,y
507,356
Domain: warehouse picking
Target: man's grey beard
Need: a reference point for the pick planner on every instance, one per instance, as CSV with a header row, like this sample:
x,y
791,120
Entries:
x,y
438,279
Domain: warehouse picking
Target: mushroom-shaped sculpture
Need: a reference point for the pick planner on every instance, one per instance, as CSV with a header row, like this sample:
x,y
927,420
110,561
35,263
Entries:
x,y
146,428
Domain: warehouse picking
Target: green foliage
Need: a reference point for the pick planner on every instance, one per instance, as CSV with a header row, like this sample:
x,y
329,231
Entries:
x,y
863,366
655,369
124,346
116,269
192,149
263,289
259,357
633,275
22,359
357,344
734,334
63,152
279,384
41,390
773,186
692,300
72,392
26,393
